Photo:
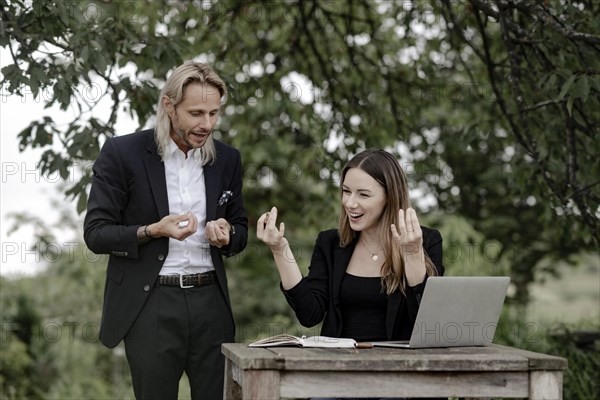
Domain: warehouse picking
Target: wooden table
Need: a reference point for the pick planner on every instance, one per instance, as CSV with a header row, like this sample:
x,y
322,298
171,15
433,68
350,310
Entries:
x,y
472,372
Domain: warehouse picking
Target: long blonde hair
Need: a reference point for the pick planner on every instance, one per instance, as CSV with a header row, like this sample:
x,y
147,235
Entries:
x,y
385,169
188,72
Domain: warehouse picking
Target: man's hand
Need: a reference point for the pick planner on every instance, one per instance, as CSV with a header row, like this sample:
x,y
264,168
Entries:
x,y
217,232
175,226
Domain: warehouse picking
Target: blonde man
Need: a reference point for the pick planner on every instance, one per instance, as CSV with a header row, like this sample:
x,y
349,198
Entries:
x,y
166,205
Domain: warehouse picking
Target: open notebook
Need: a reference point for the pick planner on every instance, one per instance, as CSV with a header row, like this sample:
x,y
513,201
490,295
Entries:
x,y
457,311
311,341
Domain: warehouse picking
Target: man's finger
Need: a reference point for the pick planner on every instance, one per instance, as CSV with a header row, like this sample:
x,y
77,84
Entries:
x,y
211,232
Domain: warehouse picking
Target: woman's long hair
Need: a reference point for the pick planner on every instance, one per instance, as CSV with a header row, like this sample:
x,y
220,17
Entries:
x,y
188,72
385,169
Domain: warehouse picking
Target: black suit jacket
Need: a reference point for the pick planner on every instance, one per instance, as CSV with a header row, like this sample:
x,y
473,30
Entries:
x,y
316,297
129,190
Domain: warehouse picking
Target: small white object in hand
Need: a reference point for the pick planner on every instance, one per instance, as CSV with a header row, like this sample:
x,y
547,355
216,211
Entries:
x,y
183,224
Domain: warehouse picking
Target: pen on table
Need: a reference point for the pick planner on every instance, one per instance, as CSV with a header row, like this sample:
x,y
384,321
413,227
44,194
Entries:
x,y
364,345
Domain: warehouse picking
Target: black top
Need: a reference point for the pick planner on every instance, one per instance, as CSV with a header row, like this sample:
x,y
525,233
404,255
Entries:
x,y
364,306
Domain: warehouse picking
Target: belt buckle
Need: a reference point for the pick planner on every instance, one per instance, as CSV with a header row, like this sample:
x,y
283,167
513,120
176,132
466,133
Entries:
x,y
181,285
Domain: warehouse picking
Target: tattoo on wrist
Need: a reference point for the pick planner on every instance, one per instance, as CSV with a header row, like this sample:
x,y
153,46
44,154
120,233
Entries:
x,y
142,237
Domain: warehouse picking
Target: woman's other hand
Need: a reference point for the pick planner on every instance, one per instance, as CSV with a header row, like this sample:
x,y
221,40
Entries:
x,y
267,232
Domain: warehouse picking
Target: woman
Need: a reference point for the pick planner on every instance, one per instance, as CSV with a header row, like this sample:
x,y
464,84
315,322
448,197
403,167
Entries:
x,y
366,278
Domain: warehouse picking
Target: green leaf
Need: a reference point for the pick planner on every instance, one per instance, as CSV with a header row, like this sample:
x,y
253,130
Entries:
x,y
570,105
581,88
82,202
566,86
595,82
85,53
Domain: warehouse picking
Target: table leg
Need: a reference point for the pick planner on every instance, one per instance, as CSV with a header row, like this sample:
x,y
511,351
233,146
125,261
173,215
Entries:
x,y
231,389
545,385
260,384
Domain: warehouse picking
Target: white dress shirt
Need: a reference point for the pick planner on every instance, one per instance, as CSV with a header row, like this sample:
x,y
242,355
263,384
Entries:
x,y
187,192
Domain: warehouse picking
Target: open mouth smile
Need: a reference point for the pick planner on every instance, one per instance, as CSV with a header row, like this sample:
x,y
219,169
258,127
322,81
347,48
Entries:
x,y
355,216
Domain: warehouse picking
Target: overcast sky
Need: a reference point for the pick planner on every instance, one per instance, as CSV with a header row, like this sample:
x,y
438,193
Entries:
x,y
24,189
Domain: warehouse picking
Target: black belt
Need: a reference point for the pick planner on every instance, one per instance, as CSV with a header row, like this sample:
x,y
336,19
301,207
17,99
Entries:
x,y
188,281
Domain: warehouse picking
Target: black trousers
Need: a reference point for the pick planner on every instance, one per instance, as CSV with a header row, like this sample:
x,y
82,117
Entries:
x,y
179,330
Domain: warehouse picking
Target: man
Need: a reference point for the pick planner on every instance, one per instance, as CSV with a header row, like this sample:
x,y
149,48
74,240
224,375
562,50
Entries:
x,y
166,205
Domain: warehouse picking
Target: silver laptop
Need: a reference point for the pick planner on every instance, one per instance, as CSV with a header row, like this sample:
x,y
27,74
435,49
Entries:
x,y
457,311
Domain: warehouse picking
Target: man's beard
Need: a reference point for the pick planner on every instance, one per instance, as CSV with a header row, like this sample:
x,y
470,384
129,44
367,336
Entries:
x,y
184,136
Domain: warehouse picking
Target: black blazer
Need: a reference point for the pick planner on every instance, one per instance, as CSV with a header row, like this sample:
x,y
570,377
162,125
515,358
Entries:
x,y
316,297
129,190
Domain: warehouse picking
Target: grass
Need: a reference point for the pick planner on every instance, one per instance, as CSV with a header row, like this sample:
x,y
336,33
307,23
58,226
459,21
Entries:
x,y
571,299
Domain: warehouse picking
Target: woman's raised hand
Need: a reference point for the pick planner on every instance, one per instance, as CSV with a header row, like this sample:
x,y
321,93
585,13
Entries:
x,y
267,232
408,235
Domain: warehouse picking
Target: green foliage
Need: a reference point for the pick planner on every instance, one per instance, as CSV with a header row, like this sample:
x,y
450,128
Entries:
x,y
526,175
50,347
467,252
581,379
493,109
14,366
